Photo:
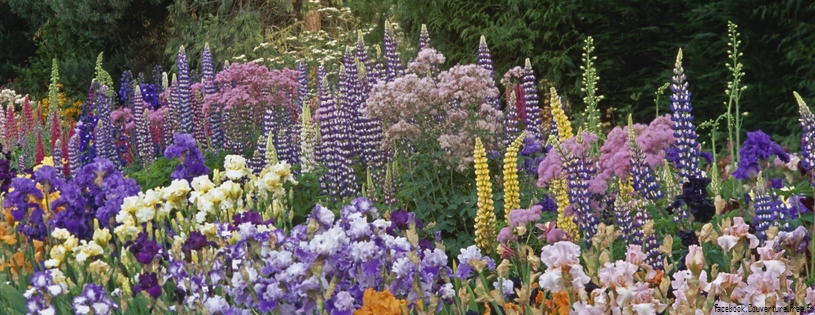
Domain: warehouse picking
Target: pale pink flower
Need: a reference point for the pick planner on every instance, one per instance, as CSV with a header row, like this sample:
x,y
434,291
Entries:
x,y
810,298
552,280
695,259
643,301
560,254
618,274
681,287
760,285
635,255
724,282
734,233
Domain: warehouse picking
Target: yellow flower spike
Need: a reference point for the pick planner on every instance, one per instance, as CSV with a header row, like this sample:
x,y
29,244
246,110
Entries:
x,y
485,217
512,195
564,126
566,223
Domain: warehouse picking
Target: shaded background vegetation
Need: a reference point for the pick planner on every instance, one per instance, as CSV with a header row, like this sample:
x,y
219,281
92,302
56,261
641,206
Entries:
x,y
636,43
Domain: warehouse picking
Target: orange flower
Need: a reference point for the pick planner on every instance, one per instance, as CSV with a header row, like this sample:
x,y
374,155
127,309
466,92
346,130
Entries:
x,y
489,310
539,298
379,303
16,263
5,235
559,304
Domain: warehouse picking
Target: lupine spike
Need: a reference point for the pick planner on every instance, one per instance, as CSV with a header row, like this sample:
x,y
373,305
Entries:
x,y
126,90
485,217
622,211
73,155
210,89
424,38
156,79
642,175
370,77
58,163
170,113
512,193
307,141
53,92
370,190
578,174
4,129
302,91
104,132
40,155
533,111
807,121
56,132
393,63
564,126
183,93
511,120
11,127
87,125
485,62
199,119
684,131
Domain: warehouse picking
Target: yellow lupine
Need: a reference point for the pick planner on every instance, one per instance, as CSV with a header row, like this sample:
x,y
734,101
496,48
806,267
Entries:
x,y
485,217
564,126
512,195
565,223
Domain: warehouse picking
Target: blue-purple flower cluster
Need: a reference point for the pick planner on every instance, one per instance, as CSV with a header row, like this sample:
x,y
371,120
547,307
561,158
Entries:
x,y
191,160
686,146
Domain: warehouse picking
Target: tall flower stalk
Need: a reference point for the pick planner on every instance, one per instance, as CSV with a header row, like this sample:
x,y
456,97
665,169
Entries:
x,y
733,91
684,131
808,138
510,120
512,194
485,217
643,178
564,126
589,88
182,92
485,61
533,111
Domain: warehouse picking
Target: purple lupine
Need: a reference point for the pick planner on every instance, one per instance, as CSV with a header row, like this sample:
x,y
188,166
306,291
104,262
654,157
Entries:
x,y
104,133
578,176
485,62
183,94
511,122
768,211
170,114
86,125
533,111
368,79
157,74
424,38
653,256
393,63
74,156
144,145
302,79
57,155
325,151
644,180
345,148
807,121
623,219
352,101
687,148
322,86
210,89
126,90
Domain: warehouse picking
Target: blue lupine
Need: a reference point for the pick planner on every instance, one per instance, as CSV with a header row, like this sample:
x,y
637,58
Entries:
x,y
126,90
352,100
393,63
74,154
485,62
533,111
623,219
686,144
368,78
104,133
807,138
86,125
208,75
182,92
157,74
302,92
144,144
578,174
644,180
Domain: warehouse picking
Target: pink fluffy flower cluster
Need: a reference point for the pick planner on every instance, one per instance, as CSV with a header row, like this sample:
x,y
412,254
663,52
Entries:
x,y
614,160
254,86
449,108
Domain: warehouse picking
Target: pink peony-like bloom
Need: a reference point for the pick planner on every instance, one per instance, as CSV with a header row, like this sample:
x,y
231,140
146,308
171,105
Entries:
x,y
724,283
643,301
760,285
560,254
634,255
734,233
618,274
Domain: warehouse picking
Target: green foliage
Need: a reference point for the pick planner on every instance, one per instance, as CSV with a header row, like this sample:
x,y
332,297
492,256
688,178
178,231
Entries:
x,y
156,175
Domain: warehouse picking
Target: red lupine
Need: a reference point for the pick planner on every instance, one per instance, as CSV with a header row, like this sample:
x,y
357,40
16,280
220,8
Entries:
x,y
40,149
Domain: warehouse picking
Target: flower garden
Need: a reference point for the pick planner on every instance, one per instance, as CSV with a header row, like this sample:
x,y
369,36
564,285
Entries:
x,y
394,187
